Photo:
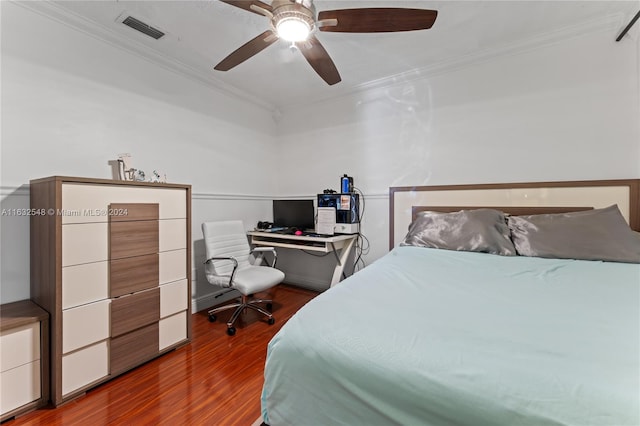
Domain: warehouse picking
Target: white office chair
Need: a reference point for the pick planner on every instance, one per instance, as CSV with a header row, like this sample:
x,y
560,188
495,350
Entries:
x,y
228,265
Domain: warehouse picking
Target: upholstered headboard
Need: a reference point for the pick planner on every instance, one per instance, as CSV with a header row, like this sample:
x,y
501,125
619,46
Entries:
x,y
513,198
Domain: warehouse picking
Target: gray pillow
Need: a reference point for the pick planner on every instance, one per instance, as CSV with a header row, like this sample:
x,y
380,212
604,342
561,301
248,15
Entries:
x,y
482,230
599,234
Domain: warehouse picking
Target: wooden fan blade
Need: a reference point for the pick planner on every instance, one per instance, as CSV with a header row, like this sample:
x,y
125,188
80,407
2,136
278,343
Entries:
x,y
319,60
246,5
378,20
247,50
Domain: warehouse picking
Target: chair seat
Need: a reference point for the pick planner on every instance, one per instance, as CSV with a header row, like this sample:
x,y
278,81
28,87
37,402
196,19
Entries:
x,y
253,279
228,255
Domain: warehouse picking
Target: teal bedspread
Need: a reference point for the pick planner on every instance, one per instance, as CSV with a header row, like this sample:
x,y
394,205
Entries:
x,y
435,337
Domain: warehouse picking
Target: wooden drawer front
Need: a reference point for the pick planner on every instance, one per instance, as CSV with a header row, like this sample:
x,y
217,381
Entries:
x,y
83,198
82,284
122,212
173,329
84,367
129,239
134,348
173,234
85,243
85,325
19,346
134,311
19,386
173,298
133,274
173,266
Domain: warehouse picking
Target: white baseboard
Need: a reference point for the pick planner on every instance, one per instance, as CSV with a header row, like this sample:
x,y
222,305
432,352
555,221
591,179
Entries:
x,y
208,300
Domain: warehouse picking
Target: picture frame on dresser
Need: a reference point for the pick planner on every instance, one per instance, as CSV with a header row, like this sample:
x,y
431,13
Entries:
x,y
111,263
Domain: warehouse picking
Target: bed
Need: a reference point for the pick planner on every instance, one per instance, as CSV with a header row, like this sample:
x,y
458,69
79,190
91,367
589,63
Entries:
x,y
432,336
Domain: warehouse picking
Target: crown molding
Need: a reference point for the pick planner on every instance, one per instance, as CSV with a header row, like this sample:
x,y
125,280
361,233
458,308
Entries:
x,y
60,14
56,12
540,41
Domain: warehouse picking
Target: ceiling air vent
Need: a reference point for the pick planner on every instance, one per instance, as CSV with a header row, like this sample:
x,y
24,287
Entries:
x,y
142,27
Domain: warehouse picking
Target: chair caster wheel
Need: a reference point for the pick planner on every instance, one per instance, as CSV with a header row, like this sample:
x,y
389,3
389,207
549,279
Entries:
x,y
271,321
269,307
231,331
212,318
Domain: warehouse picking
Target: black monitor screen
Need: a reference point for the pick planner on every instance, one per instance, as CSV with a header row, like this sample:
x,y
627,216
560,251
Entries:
x,y
293,214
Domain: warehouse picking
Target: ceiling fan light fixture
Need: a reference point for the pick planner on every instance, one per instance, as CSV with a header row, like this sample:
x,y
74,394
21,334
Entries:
x,y
293,29
293,21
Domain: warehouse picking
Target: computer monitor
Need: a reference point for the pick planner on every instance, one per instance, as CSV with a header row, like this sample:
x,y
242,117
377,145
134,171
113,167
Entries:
x,y
293,214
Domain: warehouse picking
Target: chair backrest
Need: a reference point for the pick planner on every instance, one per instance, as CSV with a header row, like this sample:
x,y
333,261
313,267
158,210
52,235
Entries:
x,y
226,238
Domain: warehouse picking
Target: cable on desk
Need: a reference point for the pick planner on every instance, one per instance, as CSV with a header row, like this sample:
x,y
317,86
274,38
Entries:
x,y
362,242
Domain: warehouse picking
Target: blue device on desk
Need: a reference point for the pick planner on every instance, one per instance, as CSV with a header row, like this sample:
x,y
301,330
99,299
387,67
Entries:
x,y
346,184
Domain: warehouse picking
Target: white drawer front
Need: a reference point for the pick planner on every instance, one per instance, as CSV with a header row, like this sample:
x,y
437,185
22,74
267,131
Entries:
x,y
92,201
82,284
85,366
173,329
173,202
85,243
173,234
19,386
19,346
84,325
173,298
173,266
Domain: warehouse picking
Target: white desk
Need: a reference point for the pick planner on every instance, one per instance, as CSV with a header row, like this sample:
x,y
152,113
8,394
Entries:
x,y
339,245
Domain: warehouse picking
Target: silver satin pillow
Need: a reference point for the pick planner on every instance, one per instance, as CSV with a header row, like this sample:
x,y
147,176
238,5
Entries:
x,y
482,230
599,234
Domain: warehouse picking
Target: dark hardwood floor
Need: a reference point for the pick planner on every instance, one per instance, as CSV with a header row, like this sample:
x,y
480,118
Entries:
x,y
215,380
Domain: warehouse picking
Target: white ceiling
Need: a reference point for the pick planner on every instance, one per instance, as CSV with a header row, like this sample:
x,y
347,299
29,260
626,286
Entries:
x,y
201,33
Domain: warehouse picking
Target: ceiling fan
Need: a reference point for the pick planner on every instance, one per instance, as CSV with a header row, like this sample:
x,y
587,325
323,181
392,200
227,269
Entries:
x,y
296,21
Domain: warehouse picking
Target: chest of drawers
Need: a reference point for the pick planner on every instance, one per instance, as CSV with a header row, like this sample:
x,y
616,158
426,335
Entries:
x,y
24,372
110,262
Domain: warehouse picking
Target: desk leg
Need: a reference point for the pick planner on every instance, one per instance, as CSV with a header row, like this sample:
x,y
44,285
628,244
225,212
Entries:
x,y
342,260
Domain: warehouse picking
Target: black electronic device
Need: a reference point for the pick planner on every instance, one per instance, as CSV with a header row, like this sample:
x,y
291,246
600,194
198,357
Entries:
x,y
347,206
298,214
262,225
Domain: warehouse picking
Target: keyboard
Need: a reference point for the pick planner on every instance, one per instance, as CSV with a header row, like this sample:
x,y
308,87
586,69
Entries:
x,y
283,231
292,231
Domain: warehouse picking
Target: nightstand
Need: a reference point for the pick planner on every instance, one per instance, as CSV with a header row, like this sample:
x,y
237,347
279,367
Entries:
x,y
24,358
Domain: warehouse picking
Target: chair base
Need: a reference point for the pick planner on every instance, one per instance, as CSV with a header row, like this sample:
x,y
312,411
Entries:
x,y
244,303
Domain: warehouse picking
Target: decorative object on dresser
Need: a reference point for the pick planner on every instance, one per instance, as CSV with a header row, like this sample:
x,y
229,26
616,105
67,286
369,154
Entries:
x,y
24,358
110,261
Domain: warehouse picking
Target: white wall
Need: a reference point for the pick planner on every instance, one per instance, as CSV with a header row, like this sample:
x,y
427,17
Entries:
x,y
568,111
71,103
